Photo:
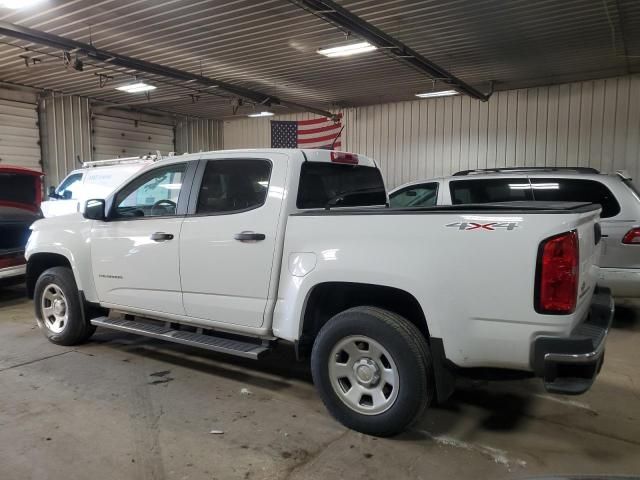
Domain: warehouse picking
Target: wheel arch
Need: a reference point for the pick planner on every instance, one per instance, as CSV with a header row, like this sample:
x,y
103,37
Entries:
x,y
327,299
38,263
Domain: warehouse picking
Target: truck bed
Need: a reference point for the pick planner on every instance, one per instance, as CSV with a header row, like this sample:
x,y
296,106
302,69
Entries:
x,y
471,267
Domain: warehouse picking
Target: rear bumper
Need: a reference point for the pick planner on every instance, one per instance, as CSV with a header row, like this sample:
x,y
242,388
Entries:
x,y
623,282
570,364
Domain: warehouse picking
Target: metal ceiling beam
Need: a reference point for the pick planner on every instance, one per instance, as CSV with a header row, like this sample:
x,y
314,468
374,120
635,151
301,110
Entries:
x,y
340,16
66,44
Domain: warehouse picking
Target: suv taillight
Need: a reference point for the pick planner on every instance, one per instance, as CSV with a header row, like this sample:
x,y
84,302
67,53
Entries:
x,y
632,237
557,274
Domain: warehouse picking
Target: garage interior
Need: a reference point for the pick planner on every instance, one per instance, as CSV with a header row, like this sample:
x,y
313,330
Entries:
x,y
539,83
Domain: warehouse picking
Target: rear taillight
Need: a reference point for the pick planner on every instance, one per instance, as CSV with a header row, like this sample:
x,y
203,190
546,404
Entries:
x,y
557,274
632,237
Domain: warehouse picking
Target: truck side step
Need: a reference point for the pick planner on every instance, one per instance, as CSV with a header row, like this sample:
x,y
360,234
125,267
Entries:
x,y
200,340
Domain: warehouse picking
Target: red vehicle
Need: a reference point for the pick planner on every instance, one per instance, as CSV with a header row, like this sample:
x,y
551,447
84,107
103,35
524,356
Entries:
x,y
20,197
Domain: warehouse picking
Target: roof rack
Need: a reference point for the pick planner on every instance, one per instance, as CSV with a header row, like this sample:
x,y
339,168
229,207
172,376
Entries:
x,y
122,161
527,169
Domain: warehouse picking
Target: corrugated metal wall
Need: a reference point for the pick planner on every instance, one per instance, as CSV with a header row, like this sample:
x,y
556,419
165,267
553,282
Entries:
x,y
66,135
126,137
594,123
198,135
19,135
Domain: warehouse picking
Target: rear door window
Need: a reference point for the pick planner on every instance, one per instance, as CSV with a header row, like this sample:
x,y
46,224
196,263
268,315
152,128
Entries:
x,y
490,190
576,190
230,186
423,195
338,185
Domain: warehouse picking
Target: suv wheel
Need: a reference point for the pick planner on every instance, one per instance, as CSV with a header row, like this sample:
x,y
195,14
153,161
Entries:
x,y
373,370
59,309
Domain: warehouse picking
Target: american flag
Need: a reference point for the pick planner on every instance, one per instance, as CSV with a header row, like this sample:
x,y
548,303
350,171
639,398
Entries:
x,y
316,133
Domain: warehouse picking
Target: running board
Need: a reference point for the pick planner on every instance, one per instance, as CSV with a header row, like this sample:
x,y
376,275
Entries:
x,y
200,340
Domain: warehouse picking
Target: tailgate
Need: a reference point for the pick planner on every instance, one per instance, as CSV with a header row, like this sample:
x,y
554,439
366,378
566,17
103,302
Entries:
x,y
590,248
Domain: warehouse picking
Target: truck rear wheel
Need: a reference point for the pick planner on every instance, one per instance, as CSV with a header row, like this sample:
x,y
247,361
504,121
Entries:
x,y
59,309
373,370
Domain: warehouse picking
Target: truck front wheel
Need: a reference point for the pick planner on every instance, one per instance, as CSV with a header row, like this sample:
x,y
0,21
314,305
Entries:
x,y
59,309
373,370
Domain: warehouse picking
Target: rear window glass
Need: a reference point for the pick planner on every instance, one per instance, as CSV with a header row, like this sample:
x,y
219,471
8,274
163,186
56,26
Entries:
x,y
576,190
15,187
337,185
633,188
490,190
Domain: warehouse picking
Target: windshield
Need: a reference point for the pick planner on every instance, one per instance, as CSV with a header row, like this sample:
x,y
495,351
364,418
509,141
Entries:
x,y
69,187
330,184
19,188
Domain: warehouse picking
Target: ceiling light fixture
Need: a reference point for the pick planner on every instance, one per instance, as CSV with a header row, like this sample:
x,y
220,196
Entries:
x,y
346,50
18,4
260,114
441,93
136,87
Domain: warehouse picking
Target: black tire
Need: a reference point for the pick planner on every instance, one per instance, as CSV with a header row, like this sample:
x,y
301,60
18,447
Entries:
x,y
75,329
410,353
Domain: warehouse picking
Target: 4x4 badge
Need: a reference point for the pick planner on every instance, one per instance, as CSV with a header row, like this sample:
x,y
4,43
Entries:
x,y
483,226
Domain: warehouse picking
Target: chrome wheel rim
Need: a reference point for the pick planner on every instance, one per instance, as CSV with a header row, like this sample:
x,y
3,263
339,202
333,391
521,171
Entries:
x,y
53,306
363,375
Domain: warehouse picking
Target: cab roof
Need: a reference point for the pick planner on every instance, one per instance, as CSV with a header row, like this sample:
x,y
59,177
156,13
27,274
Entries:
x,y
302,154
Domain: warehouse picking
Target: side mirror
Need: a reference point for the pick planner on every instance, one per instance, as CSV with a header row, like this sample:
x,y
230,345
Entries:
x,y
52,192
94,209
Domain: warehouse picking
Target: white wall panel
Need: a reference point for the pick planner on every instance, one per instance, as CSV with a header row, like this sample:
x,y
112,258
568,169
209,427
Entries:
x,y
594,123
66,135
198,135
115,137
19,133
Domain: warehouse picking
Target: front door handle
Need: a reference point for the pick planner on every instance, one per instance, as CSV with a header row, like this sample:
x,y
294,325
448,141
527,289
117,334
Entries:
x,y
161,236
249,236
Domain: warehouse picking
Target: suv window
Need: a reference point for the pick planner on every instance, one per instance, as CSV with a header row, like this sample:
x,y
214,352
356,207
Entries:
x,y
70,186
490,190
340,185
424,195
233,186
153,194
576,190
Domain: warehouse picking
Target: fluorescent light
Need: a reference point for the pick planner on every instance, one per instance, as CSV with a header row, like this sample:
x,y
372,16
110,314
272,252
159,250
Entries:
x,y
16,4
441,93
260,114
136,87
346,50
546,186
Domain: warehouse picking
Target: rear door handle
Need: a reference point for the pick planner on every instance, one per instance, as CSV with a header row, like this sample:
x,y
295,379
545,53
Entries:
x,y
161,236
249,236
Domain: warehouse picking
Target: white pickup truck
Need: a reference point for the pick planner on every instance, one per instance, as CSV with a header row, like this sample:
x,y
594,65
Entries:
x,y
234,251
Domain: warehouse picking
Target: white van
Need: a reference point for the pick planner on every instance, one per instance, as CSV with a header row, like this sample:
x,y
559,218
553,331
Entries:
x,y
95,179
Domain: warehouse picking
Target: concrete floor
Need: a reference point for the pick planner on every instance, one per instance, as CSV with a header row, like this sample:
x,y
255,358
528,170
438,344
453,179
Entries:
x,y
122,407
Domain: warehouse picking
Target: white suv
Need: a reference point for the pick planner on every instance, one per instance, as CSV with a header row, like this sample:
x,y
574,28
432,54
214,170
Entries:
x,y
620,200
